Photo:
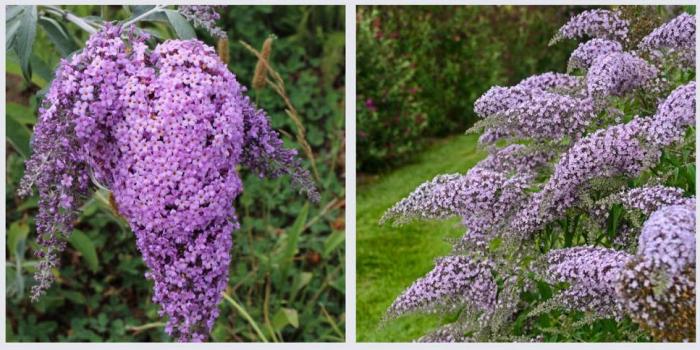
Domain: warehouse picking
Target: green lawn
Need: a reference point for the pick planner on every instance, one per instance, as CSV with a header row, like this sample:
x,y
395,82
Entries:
x,y
389,258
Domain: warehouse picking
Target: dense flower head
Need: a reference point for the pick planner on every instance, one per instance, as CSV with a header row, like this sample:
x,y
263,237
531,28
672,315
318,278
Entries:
x,y
657,287
180,140
616,150
499,99
482,197
596,23
548,116
646,199
673,116
587,52
455,281
68,140
592,273
535,108
617,74
668,237
676,37
204,16
516,159
164,130
551,81
662,304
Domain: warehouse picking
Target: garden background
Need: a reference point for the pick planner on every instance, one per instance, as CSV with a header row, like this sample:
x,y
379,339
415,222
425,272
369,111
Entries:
x,y
288,269
420,69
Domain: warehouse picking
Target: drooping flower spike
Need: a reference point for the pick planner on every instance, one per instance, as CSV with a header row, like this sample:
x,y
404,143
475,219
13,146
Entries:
x,y
203,16
646,199
593,275
617,74
165,133
676,37
657,288
617,150
586,53
673,117
603,24
455,281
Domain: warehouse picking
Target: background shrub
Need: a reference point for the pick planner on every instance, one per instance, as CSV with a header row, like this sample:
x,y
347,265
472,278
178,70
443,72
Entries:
x,y
420,69
101,293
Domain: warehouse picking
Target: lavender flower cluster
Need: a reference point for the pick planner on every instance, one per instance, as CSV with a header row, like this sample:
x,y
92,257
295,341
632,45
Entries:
x,y
646,199
673,116
676,37
455,280
618,73
593,275
604,24
535,109
203,16
586,53
616,150
576,138
164,130
656,286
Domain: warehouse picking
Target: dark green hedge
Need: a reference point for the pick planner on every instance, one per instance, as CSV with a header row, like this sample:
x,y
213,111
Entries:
x,y
420,69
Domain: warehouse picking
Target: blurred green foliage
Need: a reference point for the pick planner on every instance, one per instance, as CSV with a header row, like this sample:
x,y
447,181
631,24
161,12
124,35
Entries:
x,y
420,69
288,269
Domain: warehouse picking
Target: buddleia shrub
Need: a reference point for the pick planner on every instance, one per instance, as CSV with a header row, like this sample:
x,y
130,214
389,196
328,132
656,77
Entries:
x,y
584,195
162,128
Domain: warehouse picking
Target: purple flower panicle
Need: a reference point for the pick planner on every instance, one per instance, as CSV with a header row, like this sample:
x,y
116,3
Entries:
x,y
646,199
164,130
592,273
455,281
203,16
676,37
586,53
604,24
617,74
616,150
668,237
673,116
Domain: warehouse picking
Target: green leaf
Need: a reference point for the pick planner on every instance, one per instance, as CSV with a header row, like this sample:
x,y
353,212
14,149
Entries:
x,y
19,136
58,35
13,11
20,113
138,10
300,281
290,242
182,27
17,233
82,243
494,244
333,242
284,317
41,69
31,203
12,67
74,297
11,26
24,39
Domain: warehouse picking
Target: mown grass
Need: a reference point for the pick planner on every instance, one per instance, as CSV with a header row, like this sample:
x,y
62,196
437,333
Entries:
x,y
390,258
